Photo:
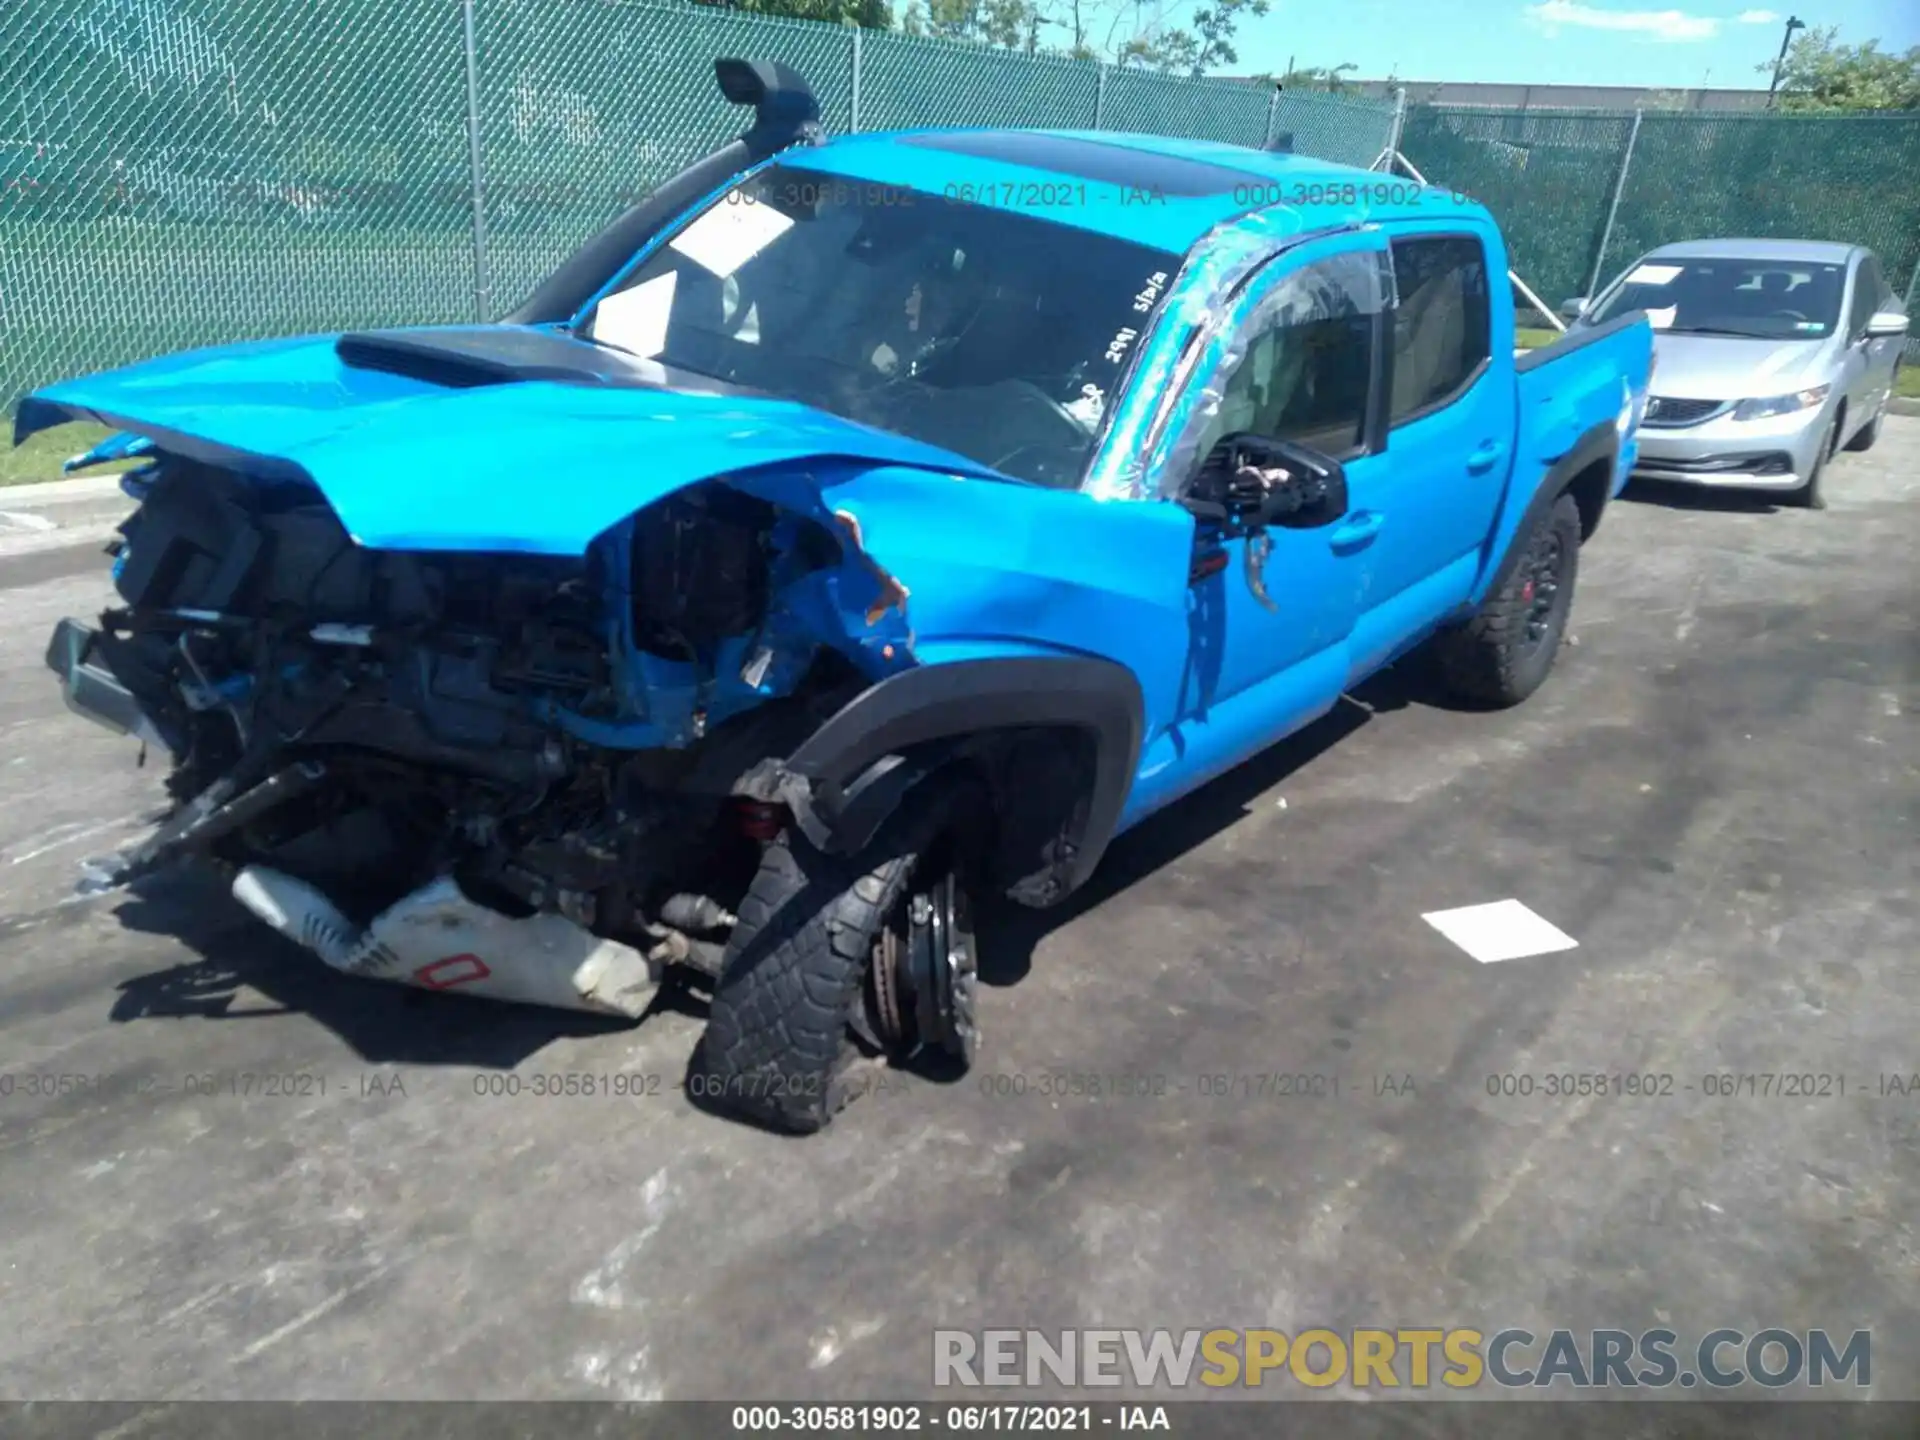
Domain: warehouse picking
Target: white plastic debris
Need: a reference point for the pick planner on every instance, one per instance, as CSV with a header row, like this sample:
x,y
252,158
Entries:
x,y
438,939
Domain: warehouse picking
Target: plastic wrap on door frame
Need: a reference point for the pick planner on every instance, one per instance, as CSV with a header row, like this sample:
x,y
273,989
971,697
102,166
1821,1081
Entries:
x,y
1196,332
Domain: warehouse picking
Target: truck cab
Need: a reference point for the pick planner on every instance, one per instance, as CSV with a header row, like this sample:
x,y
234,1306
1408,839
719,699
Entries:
x,y
850,528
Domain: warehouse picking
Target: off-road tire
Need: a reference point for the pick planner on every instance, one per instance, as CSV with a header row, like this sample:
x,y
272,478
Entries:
x,y
1490,660
778,1048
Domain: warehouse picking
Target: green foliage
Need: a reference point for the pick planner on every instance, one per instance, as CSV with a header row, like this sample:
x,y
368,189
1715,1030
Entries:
x,y
1822,76
1207,45
1332,79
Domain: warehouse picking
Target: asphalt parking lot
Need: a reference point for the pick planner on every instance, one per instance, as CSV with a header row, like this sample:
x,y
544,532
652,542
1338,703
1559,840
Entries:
x,y
271,1181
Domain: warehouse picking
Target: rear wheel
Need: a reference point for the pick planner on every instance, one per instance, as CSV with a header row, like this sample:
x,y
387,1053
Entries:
x,y
1502,655
839,957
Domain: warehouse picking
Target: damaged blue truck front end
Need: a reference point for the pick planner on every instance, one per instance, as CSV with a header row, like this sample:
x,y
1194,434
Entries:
x,y
847,531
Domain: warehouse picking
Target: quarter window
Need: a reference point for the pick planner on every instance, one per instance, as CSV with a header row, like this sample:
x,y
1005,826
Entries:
x,y
1442,331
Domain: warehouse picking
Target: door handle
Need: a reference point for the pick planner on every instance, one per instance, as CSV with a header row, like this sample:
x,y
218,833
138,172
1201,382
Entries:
x,y
1359,530
1484,458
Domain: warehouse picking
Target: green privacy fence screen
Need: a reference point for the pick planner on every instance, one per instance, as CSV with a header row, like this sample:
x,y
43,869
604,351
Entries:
x,y
1551,176
189,172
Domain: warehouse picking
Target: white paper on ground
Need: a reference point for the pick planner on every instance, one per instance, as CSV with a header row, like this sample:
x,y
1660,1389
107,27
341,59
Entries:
x,y
729,235
636,320
1653,274
1504,930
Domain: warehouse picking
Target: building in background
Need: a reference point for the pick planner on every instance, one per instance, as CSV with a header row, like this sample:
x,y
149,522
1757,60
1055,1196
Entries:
x,y
1557,97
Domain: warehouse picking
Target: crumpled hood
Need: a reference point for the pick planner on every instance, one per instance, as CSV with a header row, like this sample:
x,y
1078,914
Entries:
x,y
527,465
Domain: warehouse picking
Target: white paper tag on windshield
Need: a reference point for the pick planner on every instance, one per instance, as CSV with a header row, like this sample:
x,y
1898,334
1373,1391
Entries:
x,y
1662,319
730,234
636,320
1653,275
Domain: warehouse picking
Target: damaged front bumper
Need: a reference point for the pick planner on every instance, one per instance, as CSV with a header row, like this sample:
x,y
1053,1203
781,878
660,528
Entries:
x,y
438,939
91,689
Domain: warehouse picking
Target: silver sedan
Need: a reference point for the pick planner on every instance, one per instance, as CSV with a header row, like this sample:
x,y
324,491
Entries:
x,y
1769,356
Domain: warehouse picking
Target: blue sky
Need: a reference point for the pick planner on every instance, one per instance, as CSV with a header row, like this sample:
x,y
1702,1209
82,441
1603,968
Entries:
x,y
1667,43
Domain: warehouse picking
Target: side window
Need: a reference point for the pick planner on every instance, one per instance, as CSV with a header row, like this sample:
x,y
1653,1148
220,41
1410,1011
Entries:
x,y
1442,328
1305,363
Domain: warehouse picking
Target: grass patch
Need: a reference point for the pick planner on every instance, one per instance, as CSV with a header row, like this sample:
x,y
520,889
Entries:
x,y
39,459
1906,382
1527,337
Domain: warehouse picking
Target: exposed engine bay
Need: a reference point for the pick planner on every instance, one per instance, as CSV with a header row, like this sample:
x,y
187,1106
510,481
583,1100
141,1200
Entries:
x,y
465,770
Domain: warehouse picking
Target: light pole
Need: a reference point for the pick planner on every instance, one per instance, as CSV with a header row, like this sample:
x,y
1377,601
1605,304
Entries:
x,y
1794,22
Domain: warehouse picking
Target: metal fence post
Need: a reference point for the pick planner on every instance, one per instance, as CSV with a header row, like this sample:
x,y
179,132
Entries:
x,y
1100,99
1398,124
1613,209
1273,114
854,122
482,301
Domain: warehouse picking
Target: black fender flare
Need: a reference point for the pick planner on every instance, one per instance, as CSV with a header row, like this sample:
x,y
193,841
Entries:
x,y
858,767
1600,442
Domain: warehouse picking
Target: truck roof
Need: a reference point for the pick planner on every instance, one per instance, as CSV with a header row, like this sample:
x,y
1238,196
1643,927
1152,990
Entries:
x,y
1156,190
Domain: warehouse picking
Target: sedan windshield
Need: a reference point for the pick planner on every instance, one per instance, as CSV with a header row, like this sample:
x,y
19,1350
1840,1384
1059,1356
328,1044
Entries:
x,y
1756,299
995,334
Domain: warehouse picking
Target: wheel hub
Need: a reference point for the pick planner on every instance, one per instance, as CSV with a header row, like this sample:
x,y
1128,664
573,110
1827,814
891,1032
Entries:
x,y
1542,588
925,973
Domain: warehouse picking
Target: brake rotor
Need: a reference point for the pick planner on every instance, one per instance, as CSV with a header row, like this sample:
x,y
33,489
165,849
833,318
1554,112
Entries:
x,y
924,973
889,959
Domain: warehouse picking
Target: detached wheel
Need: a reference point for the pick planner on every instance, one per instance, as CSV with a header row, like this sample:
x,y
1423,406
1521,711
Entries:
x,y
1502,655
840,957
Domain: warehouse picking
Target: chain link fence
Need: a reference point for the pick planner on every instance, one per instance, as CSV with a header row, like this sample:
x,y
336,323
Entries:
x,y
192,172
1581,194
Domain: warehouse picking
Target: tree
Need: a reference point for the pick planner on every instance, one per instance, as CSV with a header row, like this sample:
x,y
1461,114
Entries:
x,y
1822,75
1331,78
1207,44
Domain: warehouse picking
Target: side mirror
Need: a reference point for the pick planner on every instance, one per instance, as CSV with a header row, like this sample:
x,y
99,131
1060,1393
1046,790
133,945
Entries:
x,y
1573,307
1886,325
1250,482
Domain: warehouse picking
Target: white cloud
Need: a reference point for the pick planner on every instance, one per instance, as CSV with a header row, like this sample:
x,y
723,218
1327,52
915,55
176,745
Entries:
x,y
1759,17
1655,24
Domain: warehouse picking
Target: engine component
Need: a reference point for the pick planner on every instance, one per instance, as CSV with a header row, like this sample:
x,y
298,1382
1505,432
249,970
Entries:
x,y
699,570
438,939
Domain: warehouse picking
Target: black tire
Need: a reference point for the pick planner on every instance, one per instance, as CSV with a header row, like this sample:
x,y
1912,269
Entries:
x,y
779,1045
1869,432
1501,656
1810,496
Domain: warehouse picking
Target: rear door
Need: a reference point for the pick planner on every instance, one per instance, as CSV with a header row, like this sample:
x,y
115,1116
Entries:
x,y
1449,445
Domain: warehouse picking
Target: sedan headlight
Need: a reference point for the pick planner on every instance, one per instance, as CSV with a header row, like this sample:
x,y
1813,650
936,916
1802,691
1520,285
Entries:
x,y
1772,405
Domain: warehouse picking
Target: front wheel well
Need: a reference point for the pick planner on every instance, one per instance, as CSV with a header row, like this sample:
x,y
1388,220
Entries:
x,y
1039,781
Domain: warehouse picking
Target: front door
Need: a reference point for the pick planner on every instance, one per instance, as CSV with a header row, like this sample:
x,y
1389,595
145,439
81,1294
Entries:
x,y
1270,613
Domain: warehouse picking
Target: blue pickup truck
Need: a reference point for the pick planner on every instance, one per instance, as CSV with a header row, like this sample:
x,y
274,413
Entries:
x,y
854,529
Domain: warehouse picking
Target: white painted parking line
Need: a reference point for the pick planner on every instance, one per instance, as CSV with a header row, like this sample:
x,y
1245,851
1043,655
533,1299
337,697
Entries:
x,y
24,520
1504,930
